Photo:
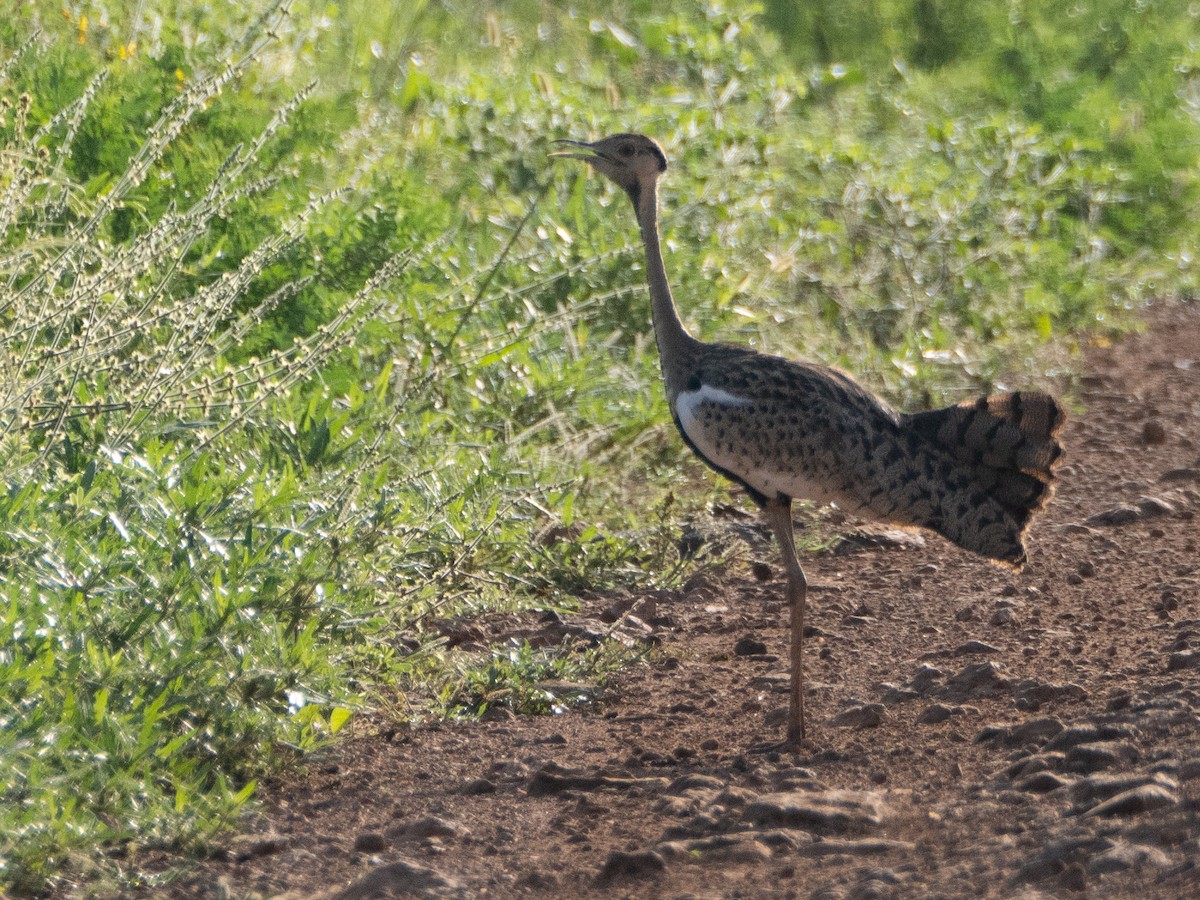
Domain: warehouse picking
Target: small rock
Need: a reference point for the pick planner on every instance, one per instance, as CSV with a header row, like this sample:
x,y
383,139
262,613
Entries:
x,y
370,842
1088,734
401,878
1087,568
980,678
252,846
1003,616
1177,475
641,864
1031,732
1153,433
825,812
1041,783
1037,762
1189,659
695,782
1089,791
749,646
1118,515
1154,507
1128,856
925,679
425,827
479,786
743,848
866,847
938,712
973,647
1100,755
1134,802
1057,857
1031,694
868,715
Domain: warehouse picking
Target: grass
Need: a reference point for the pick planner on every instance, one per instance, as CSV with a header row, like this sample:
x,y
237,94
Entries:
x,y
291,373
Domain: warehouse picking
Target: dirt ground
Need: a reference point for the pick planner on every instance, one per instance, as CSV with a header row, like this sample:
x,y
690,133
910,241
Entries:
x,y
975,732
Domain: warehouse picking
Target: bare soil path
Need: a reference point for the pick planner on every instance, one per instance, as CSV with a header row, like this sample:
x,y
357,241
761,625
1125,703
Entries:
x,y
978,733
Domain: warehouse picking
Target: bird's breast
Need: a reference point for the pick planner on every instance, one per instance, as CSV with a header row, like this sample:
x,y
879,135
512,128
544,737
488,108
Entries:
x,y
772,450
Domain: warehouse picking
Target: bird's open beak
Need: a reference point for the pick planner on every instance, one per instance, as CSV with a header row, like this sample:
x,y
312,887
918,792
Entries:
x,y
591,156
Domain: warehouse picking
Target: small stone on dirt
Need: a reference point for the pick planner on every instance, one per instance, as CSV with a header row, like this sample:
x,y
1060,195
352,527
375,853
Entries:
x,y
934,714
252,846
825,812
977,679
1153,433
401,878
867,715
1118,515
642,864
1134,802
370,842
425,827
749,646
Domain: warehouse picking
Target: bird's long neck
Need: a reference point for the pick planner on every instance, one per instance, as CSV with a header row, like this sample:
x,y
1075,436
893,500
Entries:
x,y
674,342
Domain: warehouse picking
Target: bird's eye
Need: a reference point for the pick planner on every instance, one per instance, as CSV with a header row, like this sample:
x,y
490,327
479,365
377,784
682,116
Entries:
x,y
626,150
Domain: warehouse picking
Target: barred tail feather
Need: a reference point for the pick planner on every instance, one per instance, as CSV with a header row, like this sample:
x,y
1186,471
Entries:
x,y
1007,445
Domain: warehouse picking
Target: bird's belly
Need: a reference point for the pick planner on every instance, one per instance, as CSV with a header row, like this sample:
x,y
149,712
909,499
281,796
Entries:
x,y
726,431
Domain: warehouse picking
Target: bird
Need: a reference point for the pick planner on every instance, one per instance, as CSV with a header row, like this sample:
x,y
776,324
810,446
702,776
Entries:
x,y
975,472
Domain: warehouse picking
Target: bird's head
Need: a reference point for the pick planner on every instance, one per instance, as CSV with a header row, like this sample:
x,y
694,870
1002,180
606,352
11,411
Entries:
x,y
631,161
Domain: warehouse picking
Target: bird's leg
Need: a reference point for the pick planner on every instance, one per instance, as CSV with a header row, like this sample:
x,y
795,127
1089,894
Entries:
x,y
779,515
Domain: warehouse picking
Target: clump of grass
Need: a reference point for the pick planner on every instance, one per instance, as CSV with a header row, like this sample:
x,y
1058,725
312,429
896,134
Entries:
x,y
171,578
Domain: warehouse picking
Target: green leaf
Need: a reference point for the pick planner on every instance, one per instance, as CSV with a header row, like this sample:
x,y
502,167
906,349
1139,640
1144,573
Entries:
x,y
337,718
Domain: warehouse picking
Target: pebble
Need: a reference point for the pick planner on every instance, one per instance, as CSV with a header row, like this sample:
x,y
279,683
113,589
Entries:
x,y
925,679
867,715
843,847
1087,734
1133,802
1037,762
976,679
1031,732
639,864
479,786
370,842
1003,616
554,779
1189,659
825,812
425,827
252,846
1153,507
938,712
401,878
741,848
749,646
1128,856
972,647
1041,783
1118,515
1055,858
1030,694
1153,432
1100,755
1089,791
1178,475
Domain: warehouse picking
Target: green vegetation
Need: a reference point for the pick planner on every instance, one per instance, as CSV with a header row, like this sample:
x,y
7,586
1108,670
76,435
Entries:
x,y
290,373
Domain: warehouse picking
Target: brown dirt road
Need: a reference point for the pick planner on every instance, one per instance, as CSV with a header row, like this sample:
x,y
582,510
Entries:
x,y
978,733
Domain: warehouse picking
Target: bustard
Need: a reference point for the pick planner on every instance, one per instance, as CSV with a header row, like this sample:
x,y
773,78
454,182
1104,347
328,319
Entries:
x,y
975,473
